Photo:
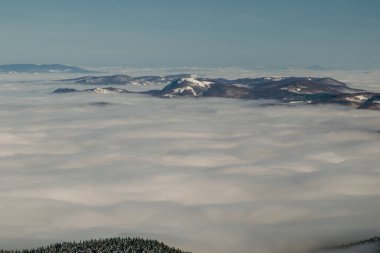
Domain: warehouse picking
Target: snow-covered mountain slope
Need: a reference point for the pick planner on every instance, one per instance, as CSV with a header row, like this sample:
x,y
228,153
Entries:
x,y
190,86
287,90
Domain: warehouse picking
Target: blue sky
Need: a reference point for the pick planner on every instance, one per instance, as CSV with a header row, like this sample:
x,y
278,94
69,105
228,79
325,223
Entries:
x,y
203,33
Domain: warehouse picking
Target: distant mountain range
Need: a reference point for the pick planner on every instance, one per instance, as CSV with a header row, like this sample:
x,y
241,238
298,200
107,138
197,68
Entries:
x,y
126,80
41,68
106,90
288,90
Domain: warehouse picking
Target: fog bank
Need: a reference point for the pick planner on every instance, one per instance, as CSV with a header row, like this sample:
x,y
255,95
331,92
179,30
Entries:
x,y
206,175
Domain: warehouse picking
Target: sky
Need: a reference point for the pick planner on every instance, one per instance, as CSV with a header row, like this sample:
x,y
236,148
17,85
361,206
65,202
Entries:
x,y
173,33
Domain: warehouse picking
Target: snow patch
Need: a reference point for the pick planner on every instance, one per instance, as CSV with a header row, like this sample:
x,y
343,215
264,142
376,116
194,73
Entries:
x,y
358,98
187,88
273,78
107,91
194,82
297,89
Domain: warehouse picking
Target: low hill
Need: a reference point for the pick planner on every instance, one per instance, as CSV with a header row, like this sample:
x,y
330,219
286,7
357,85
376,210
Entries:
x,y
111,245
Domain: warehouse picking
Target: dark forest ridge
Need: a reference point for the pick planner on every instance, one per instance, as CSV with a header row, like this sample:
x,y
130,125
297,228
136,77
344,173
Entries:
x,y
139,245
374,241
111,245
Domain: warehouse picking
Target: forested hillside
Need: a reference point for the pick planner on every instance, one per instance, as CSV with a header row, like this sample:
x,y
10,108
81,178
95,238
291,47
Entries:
x,y
112,245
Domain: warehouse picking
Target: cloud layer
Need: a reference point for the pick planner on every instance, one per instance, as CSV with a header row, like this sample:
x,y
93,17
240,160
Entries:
x,y
206,175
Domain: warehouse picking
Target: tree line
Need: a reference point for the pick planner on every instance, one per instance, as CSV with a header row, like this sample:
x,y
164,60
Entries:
x,y
111,245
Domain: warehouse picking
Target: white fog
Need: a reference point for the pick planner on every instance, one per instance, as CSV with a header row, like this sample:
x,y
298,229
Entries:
x,y
205,175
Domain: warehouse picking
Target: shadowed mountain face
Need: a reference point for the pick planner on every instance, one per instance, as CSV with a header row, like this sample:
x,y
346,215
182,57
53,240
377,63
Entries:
x,y
286,90
126,80
41,68
372,103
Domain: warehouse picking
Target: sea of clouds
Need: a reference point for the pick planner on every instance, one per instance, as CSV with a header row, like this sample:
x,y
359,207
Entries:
x,y
206,175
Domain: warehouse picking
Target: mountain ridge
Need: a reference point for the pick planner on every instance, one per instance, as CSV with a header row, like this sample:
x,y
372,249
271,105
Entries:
x,y
125,79
289,90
